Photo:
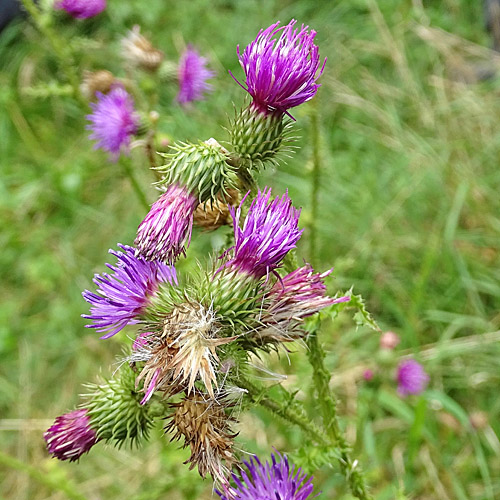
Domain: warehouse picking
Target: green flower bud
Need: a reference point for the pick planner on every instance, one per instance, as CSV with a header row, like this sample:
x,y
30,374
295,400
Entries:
x,y
202,168
115,411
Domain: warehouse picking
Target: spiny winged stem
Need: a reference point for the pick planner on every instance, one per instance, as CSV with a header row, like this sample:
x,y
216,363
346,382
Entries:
x,y
315,182
291,411
328,407
59,47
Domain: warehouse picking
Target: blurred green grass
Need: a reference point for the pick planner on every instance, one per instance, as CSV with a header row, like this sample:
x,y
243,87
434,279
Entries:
x,y
409,214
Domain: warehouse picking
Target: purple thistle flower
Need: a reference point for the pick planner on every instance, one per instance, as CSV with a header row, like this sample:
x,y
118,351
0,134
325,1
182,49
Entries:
x,y
193,75
281,66
269,232
81,9
113,121
122,296
272,481
291,299
300,294
70,436
411,377
166,229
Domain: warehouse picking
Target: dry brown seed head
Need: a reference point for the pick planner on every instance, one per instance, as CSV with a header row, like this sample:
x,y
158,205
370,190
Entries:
x,y
211,216
205,427
139,51
96,81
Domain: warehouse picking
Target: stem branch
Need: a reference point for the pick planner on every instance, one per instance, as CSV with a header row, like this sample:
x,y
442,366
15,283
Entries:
x,y
135,184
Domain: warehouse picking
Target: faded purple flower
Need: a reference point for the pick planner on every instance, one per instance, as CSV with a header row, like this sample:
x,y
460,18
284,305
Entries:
x,y
281,66
389,340
71,436
411,377
166,230
113,121
81,9
269,232
291,299
270,481
301,293
193,75
122,296
368,374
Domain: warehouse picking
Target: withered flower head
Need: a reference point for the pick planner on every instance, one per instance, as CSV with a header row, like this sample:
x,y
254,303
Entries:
x,y
183,352
205,427
139,51
96,81
211,216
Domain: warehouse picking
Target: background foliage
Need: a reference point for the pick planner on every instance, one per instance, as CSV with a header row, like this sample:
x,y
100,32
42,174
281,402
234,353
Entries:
x,y
408,213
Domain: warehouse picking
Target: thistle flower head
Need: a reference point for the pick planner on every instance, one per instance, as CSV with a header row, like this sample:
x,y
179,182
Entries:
x,y
166,229
113,121
182,353
281,67
269,232
71,436
205,427
138,51
411,377
81,9
291,299
193,75
277,480
124,295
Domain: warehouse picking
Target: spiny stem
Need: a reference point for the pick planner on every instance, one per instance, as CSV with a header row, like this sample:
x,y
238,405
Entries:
x,y
288,412
315,182
328,407
42,477
59,46
137,188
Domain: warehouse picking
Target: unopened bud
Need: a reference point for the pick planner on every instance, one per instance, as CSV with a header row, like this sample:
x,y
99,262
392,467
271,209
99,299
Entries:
x,y
202,168
478,420
389,340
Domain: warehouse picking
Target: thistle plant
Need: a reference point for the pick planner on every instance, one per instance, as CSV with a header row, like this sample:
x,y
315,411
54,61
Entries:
x,y
196,334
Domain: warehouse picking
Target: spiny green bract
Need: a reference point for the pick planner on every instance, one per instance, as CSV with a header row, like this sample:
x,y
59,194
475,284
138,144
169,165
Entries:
x,y
202,168
235,297
257,137
115,411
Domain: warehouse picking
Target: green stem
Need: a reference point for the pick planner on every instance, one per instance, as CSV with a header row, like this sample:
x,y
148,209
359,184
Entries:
x,y
288,411
55,484
135,184
328,407
315,182
59,46
243,173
